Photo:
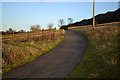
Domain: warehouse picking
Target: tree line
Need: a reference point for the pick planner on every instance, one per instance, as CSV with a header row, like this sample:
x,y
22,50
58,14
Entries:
x,y
61,25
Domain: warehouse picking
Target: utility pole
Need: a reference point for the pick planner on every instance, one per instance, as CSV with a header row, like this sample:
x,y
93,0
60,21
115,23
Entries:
x,y
93,14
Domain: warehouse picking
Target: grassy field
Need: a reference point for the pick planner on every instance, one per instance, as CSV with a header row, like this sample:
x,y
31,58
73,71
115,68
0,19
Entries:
x,y
18,53
101,57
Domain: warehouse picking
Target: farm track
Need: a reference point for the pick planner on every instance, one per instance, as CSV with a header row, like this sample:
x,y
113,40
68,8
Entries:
x,y
57,63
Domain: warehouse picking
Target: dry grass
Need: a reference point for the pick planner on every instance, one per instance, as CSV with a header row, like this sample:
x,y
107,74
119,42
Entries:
x,y
18,53
101,58
33,36
105,41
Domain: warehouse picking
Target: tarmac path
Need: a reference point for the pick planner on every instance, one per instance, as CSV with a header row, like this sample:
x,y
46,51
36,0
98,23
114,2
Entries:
x,y
57,63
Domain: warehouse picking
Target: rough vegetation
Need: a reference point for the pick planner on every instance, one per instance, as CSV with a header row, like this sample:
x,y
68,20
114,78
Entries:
x,y
21,51
101,58
31,36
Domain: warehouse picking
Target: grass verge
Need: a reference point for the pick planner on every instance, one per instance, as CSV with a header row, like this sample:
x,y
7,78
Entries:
x,y
17,54
101,57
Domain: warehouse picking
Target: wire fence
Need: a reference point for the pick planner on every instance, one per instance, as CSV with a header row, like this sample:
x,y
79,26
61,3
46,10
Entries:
x,y
97,25
35,36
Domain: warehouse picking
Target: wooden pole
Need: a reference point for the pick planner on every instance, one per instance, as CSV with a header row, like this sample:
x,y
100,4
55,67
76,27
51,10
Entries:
x,y
93,14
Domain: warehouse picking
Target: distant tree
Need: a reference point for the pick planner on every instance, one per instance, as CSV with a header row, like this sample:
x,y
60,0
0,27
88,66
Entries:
x,y
70,21
50,26
21,30
10,31
34,28
61,22
43,29
37,27
3,32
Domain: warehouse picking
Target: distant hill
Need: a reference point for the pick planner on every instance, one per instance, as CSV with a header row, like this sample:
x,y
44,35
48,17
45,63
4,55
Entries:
x,y
111,16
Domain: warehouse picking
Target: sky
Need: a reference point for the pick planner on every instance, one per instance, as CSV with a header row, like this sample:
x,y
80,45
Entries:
x,y
21,15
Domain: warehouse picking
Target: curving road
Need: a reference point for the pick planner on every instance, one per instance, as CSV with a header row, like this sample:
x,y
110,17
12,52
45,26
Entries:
x,y
57,63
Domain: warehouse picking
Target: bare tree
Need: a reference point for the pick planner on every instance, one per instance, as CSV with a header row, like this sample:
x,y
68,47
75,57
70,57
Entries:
x,y
10,31
70,21
61,22
37,27
50,26
34,28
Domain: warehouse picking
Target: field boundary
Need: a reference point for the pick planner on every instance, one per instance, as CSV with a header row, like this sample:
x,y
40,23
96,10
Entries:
x,y
29,34
97,25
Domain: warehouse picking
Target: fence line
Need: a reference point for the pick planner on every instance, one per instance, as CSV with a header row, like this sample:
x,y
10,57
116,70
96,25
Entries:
x,y
21,34
40,34
111,23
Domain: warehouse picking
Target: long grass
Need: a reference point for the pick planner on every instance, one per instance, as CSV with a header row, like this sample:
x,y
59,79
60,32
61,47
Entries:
x,y
31,36
101,57
19,53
